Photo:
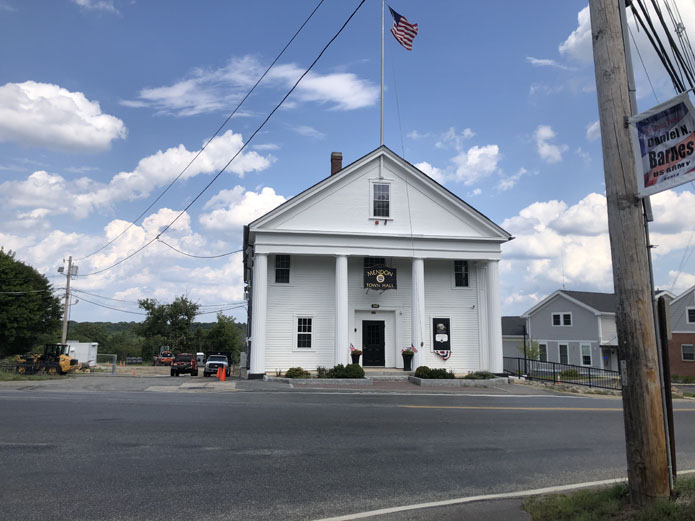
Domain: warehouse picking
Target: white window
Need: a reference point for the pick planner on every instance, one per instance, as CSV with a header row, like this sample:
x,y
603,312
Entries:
x,y
691,315
461,273
380,199
543,352
687,353
282,269
586,354
563,351
562,319
305,332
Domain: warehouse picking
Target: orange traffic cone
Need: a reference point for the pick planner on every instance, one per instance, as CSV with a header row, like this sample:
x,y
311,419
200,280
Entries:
x,y
218,373
223,375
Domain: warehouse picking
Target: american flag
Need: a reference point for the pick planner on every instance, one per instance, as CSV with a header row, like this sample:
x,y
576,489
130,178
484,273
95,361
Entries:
x,y
403,30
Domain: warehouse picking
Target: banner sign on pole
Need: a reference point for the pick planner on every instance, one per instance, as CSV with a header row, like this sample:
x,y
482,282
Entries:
x,y
663,139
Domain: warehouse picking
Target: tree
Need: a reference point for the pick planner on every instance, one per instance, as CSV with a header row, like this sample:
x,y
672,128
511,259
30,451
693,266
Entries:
x,y
533,349
167,324
28,310
226,335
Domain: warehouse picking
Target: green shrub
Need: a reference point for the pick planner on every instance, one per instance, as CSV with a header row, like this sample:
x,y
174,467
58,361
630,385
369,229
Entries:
x,y
433,374
346,371
297,372
422,372
480,375
321,372
682,379
569,373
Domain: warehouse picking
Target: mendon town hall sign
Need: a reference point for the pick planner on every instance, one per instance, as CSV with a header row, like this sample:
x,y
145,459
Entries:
x,y
380,278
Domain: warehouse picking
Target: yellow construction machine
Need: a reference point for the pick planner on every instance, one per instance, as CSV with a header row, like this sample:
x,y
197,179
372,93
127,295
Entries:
x,y
54,360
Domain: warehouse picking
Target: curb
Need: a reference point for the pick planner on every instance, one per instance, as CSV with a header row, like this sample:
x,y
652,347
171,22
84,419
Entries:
x,y
311,381
456,382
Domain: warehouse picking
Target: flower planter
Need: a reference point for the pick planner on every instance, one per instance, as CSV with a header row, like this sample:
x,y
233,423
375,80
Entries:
x,y
355,359
407,362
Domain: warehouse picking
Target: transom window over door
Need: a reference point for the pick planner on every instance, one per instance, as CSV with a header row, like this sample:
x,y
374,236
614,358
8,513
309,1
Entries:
x,y
374,261
382,199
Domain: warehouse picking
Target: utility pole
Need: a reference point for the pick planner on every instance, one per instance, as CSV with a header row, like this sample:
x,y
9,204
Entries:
x,y
66,309
647,466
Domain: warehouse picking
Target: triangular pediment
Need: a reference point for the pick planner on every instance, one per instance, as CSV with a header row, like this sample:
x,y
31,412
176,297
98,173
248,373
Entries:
x,y
418,205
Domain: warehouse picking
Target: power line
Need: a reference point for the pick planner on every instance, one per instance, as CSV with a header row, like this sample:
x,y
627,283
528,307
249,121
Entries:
x,y
642,62
112,308
132,223
258,129
197,256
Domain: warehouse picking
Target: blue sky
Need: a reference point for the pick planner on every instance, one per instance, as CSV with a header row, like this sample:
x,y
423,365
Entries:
x,y
103,102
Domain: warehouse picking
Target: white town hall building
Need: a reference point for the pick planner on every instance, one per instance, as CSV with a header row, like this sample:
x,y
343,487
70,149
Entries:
x,y
378,256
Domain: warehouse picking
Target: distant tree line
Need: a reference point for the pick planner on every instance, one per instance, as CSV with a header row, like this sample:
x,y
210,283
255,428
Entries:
x,y
30,316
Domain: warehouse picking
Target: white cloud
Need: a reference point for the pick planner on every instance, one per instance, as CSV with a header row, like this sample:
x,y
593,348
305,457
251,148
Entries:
x,y
307,131
207,90
452,139
545,62
434,172
509,182
476,163
542,88
414,134
593,131
232,209
97,5
80,197
549,152
46,115
578,43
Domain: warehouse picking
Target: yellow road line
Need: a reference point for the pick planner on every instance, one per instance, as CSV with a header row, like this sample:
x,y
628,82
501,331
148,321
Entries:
x,y
493,408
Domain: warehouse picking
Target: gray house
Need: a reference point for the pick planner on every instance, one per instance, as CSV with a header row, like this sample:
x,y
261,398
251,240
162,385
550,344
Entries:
x,y
575,327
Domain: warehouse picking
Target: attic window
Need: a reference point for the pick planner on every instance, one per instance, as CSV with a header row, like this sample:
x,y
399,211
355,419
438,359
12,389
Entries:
x,y
381,197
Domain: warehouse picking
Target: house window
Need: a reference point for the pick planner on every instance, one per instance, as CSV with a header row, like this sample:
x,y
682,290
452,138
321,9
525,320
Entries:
x,y
564,358
374,261
461,274
304,332
691,315
543,352
687,353
586,354
282,269
562,319
382,198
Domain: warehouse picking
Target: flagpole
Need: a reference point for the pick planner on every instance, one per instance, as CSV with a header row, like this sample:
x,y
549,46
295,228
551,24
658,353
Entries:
x,y
381,134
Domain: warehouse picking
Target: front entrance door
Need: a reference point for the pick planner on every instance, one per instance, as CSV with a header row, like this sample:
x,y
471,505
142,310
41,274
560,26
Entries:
x,y
373,343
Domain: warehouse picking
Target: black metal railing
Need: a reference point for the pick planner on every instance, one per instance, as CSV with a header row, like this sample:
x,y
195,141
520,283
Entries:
x,y
563,373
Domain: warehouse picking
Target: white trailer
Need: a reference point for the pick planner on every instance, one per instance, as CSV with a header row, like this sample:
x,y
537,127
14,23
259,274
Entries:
x,y
85,352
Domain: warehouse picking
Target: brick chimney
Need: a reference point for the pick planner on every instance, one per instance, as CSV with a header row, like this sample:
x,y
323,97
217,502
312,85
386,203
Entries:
x,y
336,162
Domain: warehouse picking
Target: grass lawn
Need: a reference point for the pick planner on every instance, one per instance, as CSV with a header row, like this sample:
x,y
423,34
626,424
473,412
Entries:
x,y
613,504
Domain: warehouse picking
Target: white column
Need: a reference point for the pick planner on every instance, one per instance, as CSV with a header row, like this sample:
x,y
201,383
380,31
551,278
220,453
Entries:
x,y
494,317
259,313
342,342
418,311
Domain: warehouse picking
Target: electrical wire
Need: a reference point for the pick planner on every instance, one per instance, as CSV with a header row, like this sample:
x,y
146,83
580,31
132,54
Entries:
x,y
197,256
132,223
642,62
76,290
258,129
112,308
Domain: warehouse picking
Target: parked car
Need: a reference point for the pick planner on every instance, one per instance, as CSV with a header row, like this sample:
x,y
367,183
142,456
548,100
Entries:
x,y
164,358
184,363
214,362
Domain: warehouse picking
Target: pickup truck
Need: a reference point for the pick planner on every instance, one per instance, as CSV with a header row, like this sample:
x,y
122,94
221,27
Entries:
x,y
214,362
164,358
184,363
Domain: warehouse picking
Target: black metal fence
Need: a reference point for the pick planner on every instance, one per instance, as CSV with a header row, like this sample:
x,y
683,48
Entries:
x,y
564,373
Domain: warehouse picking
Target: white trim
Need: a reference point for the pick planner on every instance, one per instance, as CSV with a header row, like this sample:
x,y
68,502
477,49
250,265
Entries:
x,y
687,314
381,181
581,354
296,333
469,266
559,355
682,295
683,359
562,319
560,293
272,282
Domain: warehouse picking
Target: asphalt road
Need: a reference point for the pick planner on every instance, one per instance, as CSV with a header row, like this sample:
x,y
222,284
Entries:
x,y
269,455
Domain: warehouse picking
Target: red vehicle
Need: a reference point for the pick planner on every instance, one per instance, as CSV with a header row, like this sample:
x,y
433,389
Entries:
x,y
184,363
164,358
